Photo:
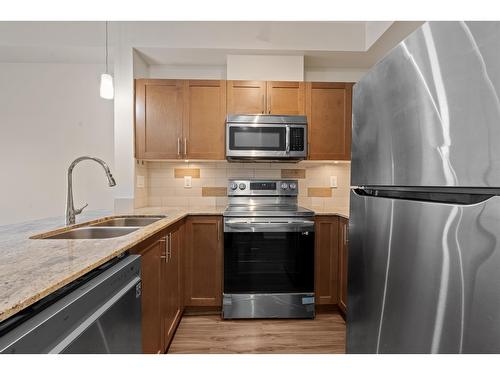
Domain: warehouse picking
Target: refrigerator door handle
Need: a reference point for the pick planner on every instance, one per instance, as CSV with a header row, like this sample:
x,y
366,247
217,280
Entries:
x,y
445,195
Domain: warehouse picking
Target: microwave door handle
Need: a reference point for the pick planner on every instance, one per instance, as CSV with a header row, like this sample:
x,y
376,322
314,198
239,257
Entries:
x,y
287,139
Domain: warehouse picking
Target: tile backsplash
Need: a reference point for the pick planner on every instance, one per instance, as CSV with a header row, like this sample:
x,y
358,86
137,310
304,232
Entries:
x,y
164,182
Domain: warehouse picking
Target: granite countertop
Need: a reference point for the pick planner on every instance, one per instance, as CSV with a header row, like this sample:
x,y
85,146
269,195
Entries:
x,y
330,211
31,269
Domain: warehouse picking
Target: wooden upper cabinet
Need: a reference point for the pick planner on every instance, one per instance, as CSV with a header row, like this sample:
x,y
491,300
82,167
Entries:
x,y
265,97
329,115
246,97
185,119
203,268
204,119
326,260
285,98
158,118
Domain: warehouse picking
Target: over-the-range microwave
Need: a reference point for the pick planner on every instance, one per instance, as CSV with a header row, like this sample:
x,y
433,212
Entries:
x,y
266,137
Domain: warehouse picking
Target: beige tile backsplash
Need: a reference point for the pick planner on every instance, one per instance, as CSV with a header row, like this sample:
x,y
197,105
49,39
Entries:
x,y
162,188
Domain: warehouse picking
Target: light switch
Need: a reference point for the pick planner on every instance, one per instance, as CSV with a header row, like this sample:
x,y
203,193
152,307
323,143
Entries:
x,y
333,181
187,181
140,181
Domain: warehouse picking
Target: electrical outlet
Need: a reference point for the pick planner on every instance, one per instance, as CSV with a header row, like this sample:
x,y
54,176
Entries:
x,y
333,181
188,181
140,181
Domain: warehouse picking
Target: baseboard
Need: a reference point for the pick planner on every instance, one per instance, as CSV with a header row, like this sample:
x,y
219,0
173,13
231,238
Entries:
x,y
202,310
326,309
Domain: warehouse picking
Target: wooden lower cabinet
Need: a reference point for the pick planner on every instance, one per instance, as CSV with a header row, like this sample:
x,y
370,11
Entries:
x,y
326,254
343,256
151,301
331,261
203,268
171,287
182,265
161,273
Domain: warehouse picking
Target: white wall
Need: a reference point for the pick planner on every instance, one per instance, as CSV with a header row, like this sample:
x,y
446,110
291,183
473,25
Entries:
x,y
333,74
187,71
140,66
265,68
49,115
374,30
124,127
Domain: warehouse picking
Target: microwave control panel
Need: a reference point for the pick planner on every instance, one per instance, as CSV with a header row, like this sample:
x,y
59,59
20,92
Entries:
x,y
297,139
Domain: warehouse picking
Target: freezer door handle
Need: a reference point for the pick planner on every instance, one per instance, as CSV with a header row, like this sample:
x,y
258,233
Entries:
x,y
445,195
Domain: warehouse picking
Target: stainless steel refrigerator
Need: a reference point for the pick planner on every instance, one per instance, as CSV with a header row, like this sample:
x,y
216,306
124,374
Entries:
x,y
424,231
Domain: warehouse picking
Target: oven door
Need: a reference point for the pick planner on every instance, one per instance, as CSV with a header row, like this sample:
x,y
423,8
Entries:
x,y
268,255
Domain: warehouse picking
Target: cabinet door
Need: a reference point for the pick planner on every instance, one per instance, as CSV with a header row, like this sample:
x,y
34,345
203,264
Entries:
x,y
204,119
158,118
151,309
171,286
343,248
329,115
285,98
167,284
326,260
246,97
203,282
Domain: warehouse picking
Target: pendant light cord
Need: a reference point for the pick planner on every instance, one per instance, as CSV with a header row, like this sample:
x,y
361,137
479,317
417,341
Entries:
x,y
106,47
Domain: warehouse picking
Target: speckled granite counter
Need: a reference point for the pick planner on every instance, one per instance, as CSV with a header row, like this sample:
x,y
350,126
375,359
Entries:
x,y
31,269
329,212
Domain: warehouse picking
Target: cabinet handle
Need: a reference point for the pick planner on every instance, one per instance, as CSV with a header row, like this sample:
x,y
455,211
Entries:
x,y
345,235
287,140
269,104
263,104
178,146
169,246
164,242
185,147
218,232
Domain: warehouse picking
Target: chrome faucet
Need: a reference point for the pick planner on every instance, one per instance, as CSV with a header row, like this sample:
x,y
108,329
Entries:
x,y
71,212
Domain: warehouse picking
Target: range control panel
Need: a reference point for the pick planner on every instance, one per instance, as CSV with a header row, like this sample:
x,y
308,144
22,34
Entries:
x,y
262,187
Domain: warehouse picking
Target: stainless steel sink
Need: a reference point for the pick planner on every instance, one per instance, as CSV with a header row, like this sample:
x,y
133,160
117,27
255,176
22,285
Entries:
x,y
129,221
114,227
92,233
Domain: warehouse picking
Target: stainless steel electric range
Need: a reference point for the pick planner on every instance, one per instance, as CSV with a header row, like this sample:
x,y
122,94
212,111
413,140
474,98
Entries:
x,y
268,252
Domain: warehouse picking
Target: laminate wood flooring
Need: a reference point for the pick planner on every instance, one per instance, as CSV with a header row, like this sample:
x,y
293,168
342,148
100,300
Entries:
x,y
210,334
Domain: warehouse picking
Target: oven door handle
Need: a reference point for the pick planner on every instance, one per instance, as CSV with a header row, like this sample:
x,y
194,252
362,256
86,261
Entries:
x,y
267,226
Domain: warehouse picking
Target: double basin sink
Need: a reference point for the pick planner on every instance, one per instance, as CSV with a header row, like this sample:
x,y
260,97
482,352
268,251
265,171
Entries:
x,y
111,228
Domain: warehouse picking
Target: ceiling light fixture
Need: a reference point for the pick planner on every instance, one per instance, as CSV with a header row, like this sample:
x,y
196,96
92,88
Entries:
x,y
107,90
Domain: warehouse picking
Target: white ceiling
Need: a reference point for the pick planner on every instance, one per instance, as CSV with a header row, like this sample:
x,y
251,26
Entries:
x,y
324,44
377,47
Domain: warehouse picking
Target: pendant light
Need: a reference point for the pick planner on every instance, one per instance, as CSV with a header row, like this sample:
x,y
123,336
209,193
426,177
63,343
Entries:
x,y
107,90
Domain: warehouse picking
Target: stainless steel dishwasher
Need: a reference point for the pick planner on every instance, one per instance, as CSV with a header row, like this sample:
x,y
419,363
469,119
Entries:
x,y
98,313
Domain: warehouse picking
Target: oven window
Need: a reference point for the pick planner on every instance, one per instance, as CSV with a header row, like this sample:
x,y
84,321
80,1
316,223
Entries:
x,y
250,138
268,262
